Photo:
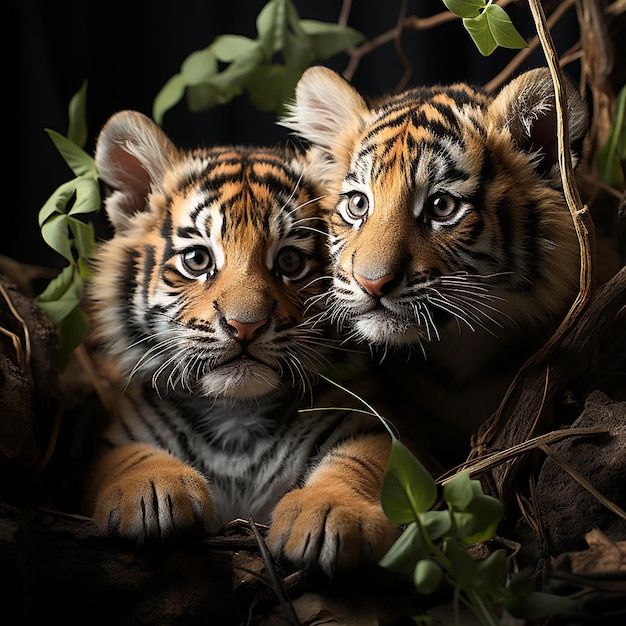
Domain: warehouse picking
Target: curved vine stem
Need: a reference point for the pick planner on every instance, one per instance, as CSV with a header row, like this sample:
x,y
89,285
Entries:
x,y
582,223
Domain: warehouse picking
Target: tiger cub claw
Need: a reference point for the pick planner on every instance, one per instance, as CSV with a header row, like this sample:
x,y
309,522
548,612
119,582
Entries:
x,y
146,506
330,530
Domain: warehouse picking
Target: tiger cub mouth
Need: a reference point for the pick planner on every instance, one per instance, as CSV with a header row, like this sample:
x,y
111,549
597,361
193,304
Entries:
x,y
381,325
240,377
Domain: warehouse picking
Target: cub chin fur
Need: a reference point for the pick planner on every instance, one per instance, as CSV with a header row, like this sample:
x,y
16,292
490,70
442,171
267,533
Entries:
x,y
450,234
203,300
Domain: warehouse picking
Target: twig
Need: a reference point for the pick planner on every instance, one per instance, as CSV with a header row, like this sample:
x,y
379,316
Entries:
x,y
494,459
411,21
406,62
54,435
346,7
285,603
22,354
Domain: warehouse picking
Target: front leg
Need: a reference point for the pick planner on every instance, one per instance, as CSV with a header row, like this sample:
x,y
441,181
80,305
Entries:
x,y
144,493
335,521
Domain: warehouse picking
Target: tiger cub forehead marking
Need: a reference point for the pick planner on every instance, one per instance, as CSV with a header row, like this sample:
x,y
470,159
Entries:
x,y
416,147
244,189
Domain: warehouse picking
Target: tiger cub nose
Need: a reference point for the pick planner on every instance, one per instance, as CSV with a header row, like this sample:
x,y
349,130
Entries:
x,y
378,286
244,332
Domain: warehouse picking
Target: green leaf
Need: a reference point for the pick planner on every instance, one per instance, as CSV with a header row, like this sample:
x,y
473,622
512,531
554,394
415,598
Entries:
x,y
56,235
79,161
77,113
436,523
479,521
58,202
479,31
199,67
298,52
235,75
328,39
465,8
523,602
224,86
427,576
475,515
87,198
62,295
203,97
293,19
228,48
463,564
521,584
84,268
537,605
502,29
491,574
408,488
407,550
493,28
271,24
271,86
72,332
612,154
84,240
460,491
169,95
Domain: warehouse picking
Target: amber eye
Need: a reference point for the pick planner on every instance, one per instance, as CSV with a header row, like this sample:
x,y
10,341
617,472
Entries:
x,y
356,207
291,263
197,261
442,206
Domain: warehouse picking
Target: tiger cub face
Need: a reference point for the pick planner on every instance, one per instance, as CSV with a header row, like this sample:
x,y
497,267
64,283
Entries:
x,y
448,226
203,288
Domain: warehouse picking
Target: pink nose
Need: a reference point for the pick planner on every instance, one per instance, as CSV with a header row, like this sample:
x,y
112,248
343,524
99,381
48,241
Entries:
x,y
244,332
378,286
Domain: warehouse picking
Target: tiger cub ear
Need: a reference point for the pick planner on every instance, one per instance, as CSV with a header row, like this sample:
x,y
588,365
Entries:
x,y
527,107
132,156
327,110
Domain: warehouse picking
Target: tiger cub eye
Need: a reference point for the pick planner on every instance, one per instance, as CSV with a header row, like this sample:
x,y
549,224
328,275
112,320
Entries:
x,y
442,205
197,260
356,207
290,262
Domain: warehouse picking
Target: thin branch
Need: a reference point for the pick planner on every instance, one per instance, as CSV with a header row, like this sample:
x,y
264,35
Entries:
x,y
346,7
494,459
285,603
402,55
409,22
22,355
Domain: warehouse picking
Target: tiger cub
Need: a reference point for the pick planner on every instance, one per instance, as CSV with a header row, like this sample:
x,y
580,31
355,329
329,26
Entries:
x,y
450,234
200,299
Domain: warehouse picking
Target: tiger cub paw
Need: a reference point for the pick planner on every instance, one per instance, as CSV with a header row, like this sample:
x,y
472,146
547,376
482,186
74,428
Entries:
x,y
329,529
153,498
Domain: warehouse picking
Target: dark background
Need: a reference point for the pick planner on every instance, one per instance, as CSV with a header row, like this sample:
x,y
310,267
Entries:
x,y
128,50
